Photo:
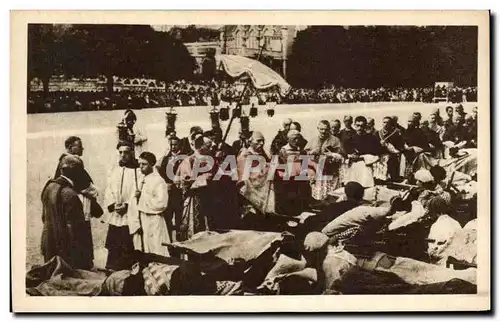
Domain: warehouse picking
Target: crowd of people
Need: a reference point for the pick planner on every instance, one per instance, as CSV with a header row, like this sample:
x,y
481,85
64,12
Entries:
x,y
350,95
153,201
205,93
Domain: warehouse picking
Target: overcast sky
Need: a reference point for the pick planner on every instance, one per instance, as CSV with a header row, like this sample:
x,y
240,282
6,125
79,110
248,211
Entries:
x,y
168,27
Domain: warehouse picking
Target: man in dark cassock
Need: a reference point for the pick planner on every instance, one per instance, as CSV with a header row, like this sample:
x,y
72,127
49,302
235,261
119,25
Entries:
x,y
363,151
172,160
392,143
297,127
187,142
398,126
66,230
455,137
205,207
418,117
470,128
460,111
243,142
335,128
225,191
370,126
347,132
361,142
221,148
416,143
280,140
449,113
432,136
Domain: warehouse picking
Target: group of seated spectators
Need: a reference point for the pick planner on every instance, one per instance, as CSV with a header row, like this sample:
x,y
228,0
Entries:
x,y
207,93
351,95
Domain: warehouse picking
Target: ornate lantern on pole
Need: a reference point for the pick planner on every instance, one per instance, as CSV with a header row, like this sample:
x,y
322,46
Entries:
x,y
171,117
245,123
214,118
237,110
224,113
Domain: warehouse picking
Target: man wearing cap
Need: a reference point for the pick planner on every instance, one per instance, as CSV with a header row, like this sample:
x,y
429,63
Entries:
x,y
123,181
150,229
66,232
281,139
326,146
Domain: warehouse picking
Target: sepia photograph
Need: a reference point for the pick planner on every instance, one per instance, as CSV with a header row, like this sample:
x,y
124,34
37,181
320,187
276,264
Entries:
x,y
190,157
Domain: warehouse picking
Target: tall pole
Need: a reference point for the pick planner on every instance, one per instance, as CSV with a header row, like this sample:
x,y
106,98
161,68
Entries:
x,y
239,106
284,48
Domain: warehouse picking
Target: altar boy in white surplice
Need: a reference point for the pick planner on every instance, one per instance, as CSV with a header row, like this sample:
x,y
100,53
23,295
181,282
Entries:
x,y
152,202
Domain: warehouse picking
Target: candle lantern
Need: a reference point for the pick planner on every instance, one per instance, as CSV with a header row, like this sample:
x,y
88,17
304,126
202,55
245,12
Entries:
x,y
237,111
171,117
214,118
123,134
253,111
224,113
245,123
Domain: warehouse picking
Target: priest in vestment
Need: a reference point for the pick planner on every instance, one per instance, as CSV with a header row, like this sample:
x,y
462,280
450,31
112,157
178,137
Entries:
x,y
255,186
326,146
194,178
123,182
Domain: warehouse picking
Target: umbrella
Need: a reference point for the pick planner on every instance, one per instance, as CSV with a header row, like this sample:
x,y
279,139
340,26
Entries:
x,y
262,77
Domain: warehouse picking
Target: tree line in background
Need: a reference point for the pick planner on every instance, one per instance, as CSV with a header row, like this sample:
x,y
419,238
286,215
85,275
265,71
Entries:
x,y
89,50
355,56
389,56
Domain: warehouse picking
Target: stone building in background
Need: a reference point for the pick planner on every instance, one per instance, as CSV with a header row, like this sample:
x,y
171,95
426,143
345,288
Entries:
x,y
246,40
